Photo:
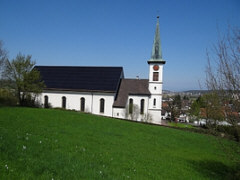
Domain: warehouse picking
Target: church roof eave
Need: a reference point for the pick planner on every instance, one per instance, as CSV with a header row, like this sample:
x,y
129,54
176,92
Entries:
x,y
160,61
131,87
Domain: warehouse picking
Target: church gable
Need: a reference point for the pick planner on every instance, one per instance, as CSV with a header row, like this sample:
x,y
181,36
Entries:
x,y
131,87
102,79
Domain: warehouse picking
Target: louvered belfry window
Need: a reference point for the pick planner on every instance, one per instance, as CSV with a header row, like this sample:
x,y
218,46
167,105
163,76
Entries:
x,y
155,76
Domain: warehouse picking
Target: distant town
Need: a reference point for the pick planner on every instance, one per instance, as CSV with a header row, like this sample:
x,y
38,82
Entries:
x,y
179,107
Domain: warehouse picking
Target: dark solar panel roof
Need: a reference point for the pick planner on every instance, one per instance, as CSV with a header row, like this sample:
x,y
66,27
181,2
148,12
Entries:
x,y
131,87
81,78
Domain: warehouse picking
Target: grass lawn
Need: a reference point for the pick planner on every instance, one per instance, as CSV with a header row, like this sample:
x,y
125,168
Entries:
x,y
55,144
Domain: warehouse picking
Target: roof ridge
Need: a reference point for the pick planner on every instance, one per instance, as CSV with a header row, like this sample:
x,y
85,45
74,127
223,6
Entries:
x,y
134,79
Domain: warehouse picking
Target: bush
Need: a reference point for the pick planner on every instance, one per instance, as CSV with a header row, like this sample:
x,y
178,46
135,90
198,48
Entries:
x,y
48,106
232,131
7,98
30,101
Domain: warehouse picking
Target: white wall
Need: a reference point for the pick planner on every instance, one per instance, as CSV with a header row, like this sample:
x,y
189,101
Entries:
x,y
160,72
155,88
145,117
158,104
156,116
92,100
72,99
109,99
137,101
92,104
119,113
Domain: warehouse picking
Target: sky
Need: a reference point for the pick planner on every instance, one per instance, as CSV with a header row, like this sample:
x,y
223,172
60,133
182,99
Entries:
x,y
119,33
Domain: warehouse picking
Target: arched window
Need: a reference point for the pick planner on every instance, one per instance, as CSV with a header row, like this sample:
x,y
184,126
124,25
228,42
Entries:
x,y
142,106
102,102
45,101
82,104
130,106
64,100
154,102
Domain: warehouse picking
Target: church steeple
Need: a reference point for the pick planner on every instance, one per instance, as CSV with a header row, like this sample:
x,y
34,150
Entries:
x,y
156,55
155,81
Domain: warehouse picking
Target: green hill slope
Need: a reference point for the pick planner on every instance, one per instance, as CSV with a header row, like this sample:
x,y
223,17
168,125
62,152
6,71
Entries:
x,y
54,144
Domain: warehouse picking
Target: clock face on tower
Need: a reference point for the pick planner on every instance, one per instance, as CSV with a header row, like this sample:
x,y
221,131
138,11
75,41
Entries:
x,y
155,67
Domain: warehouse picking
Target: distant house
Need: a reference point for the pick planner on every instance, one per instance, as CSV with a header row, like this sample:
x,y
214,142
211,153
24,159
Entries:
x,y
165,114
221,117
183,117
105,91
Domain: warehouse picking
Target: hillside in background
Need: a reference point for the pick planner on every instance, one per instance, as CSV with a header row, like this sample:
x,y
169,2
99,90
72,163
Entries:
x,y
57,144
185,93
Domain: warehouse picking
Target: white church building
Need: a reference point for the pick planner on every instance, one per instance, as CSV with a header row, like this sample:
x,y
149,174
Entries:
x,y
105,91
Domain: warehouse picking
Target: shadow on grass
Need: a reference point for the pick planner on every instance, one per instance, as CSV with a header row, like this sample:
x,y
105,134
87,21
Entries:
x,y
216,170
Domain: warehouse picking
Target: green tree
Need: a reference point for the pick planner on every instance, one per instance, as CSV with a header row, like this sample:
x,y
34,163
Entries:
x,y
185,97
208,107
196,106
177,101
213,109
174,107
195,110
24,79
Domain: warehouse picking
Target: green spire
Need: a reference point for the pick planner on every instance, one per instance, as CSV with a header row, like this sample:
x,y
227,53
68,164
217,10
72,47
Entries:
x,y
157,49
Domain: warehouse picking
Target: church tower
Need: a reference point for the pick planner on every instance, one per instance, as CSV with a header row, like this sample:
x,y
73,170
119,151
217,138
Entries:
x,y
156,78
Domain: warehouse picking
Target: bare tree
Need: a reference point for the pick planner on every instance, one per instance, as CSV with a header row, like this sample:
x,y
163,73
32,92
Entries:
x,y
3,57
223,76
147,118
223,80
132,112
174,107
